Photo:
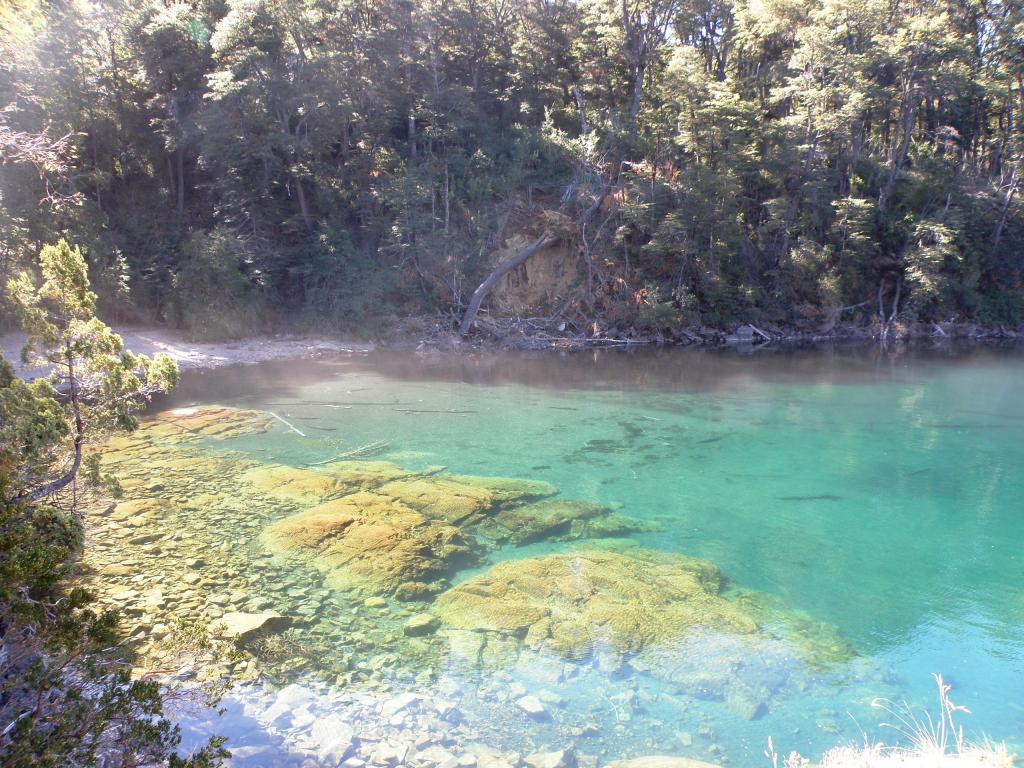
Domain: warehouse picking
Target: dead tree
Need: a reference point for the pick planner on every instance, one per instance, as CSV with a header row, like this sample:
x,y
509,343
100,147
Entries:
x,y
545,240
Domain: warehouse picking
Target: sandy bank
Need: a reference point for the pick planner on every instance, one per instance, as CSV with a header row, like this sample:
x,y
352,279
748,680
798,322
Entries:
x,y
198,354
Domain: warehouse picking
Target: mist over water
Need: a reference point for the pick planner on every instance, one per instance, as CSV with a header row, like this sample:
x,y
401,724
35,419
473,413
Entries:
x,y
880,494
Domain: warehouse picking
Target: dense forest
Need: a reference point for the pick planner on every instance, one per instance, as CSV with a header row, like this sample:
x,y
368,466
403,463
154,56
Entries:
x,y
237,165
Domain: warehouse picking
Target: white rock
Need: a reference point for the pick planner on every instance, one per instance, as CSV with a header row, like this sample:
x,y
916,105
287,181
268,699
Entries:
x,y
532,706
275,713
302,719
333,737
435,755
659,761
393,706
244,627
293,695
389,754
563,758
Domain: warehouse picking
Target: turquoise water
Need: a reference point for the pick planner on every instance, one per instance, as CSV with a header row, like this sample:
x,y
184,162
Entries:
x,y
882,494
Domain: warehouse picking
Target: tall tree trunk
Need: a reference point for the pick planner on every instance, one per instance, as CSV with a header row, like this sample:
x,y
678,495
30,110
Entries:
x,y
300,193
634,105
171,184
1010,192
907,113
181,181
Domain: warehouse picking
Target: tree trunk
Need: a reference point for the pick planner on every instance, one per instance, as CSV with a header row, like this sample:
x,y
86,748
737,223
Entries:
x,y
300,193
634,106
582,108
181,181
68,477
503,269
170,176
997,234
900,157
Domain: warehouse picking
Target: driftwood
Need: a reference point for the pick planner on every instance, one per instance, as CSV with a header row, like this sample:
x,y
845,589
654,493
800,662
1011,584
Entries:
x,y
760,333
502,269
356,453
290,426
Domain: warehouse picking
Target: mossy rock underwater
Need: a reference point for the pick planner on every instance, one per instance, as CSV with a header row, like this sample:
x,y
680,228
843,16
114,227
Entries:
x,y
574,603
367,543
401,537
665,614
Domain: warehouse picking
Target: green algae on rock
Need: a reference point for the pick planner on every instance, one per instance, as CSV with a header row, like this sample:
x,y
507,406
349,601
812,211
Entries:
x,y
557,519
305,486
463,499
218,422
382,530
368,543
574,603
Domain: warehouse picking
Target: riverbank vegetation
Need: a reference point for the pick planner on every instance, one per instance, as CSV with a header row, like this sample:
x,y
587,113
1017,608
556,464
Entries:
x,y
230,166
929,740
67,693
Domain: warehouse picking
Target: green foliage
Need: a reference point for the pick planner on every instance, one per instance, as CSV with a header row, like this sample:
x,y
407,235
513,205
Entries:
x,y
212,298
343,289
774,160
66,692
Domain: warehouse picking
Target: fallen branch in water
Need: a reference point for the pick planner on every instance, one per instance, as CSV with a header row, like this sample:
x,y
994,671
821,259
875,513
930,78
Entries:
x,y
423,410
356,453
290,426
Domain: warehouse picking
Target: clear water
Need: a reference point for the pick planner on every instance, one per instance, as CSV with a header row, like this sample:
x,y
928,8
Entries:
x,y
881,493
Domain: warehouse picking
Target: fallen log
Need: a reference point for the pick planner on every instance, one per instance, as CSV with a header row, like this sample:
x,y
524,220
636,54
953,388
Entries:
x,y
502,269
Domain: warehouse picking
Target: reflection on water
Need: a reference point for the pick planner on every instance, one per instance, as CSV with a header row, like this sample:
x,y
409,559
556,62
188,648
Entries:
x,y
863,508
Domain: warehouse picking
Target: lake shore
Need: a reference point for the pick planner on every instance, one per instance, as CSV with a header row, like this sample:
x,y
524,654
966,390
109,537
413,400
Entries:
x,y
205,355
437,333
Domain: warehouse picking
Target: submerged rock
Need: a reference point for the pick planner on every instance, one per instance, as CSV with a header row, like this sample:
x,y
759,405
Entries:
x,y
557,519
463,500
368,543
303,485
420,624
184,424
532,706
575,602
245,627
382,531
562,758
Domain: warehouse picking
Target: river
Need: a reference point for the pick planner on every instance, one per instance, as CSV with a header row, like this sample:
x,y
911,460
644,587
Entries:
x,y
863,509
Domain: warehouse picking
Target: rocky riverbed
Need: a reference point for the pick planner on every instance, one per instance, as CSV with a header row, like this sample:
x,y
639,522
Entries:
x,y
370,614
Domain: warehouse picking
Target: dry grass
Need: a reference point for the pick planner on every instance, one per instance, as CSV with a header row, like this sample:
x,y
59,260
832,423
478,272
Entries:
x,y
930,741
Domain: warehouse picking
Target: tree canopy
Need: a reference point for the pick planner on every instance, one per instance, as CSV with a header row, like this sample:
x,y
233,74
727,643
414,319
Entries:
x,y
330,163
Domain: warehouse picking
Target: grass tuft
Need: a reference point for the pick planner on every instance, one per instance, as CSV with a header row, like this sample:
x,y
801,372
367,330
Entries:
x,y
930,741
